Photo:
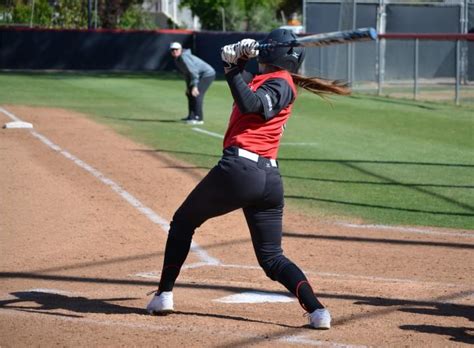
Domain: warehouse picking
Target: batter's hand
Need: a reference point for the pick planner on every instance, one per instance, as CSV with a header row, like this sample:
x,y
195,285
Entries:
x,y
231,53
194,91
248,48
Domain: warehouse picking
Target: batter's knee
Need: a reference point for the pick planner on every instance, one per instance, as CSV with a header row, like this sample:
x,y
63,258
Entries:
x,y
273,266
181,230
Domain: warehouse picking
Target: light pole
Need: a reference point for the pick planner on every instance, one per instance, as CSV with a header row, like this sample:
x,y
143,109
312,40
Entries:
x,y
223,18
32,12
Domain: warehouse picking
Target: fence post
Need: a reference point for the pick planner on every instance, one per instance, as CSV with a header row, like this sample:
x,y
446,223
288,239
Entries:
x,y
349,59
458,70
415,71
380,67
321,61
352,45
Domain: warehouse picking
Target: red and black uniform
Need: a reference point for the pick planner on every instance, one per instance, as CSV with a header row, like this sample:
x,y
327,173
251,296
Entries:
x,y
247,178
259,134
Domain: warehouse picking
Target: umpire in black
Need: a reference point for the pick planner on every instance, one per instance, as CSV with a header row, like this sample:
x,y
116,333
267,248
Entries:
x,y
198,75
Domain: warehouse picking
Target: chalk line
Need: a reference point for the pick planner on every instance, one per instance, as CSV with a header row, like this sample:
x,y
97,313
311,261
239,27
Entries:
x,y
128,197
220,136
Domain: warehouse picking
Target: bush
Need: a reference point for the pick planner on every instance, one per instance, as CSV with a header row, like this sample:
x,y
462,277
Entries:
x,y
42,13
136,18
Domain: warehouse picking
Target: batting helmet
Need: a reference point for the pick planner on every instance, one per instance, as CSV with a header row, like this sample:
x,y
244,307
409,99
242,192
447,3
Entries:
x,y
288,58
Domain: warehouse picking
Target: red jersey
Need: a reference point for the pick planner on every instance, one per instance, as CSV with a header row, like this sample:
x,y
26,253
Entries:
x,y
251,131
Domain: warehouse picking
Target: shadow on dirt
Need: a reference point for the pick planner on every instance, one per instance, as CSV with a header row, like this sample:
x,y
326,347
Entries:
x,y
457,334
441,308
38,301
233,317
379,240
41,302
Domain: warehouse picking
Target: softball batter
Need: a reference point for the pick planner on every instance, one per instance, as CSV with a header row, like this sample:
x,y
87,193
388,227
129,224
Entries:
x,y
247,175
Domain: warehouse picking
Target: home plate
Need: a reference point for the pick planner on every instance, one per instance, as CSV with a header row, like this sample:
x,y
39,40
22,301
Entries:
x,y
255,297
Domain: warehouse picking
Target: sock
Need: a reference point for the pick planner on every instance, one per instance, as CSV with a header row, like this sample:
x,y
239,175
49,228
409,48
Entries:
x,y
176,252
295,281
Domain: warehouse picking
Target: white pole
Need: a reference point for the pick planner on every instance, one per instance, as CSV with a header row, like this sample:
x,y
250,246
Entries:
x,y
175,19
458,71
304,17
381,25
223,18
32,12
303,68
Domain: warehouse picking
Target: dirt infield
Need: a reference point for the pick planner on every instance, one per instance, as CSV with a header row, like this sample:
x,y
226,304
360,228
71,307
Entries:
x,y
83,214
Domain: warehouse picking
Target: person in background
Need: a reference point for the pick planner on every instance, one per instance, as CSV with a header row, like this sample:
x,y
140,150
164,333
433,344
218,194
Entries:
x,y
198,75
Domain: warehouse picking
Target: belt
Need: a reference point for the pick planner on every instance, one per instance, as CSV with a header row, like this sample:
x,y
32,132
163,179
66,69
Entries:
x,y
255,157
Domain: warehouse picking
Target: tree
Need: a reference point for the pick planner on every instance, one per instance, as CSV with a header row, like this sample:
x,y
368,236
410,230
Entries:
x,y
208,11
111,11
245,15
70,14
73,13
136,18
41,10
290,6
261,15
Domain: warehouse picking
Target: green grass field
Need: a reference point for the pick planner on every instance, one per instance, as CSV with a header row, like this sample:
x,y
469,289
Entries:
x,y
383,160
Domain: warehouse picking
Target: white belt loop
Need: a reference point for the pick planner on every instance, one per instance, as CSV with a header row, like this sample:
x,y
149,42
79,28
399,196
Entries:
x,y
254,157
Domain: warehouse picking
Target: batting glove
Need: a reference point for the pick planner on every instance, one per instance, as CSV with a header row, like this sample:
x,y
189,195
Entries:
x,y
230,53
248,48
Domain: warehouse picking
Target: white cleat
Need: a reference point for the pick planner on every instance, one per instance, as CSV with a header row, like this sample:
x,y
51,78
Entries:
x,y
195,122
320,319
161,304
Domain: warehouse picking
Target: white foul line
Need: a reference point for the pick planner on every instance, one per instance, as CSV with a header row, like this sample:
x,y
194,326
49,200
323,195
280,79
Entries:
x,y
9,114
212,134
216,135
129,198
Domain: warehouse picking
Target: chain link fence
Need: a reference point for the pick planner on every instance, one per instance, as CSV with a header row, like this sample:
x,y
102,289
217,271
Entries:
x,y
424,51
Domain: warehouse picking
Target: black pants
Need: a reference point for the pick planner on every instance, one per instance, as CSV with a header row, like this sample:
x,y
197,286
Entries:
x,y
237,182
195,104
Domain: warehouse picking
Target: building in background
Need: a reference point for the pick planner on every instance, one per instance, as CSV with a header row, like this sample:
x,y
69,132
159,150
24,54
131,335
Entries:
x,y
168,14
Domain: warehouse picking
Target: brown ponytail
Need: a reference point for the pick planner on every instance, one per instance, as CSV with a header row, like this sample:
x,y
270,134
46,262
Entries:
x,y
321,87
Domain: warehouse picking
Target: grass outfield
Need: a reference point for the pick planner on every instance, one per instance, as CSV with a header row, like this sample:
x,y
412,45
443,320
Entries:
x,y
382,160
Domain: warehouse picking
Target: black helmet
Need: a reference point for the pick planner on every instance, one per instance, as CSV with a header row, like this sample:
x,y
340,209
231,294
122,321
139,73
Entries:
x,y
288,58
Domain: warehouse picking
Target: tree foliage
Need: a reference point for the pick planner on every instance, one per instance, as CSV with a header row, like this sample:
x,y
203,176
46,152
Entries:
x,y
135,18
290,6
70,14
111,11
73,13
39,13
245,15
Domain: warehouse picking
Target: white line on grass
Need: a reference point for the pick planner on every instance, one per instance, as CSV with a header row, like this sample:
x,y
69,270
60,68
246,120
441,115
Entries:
x,y
129,198
212,134
408,229
216,135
